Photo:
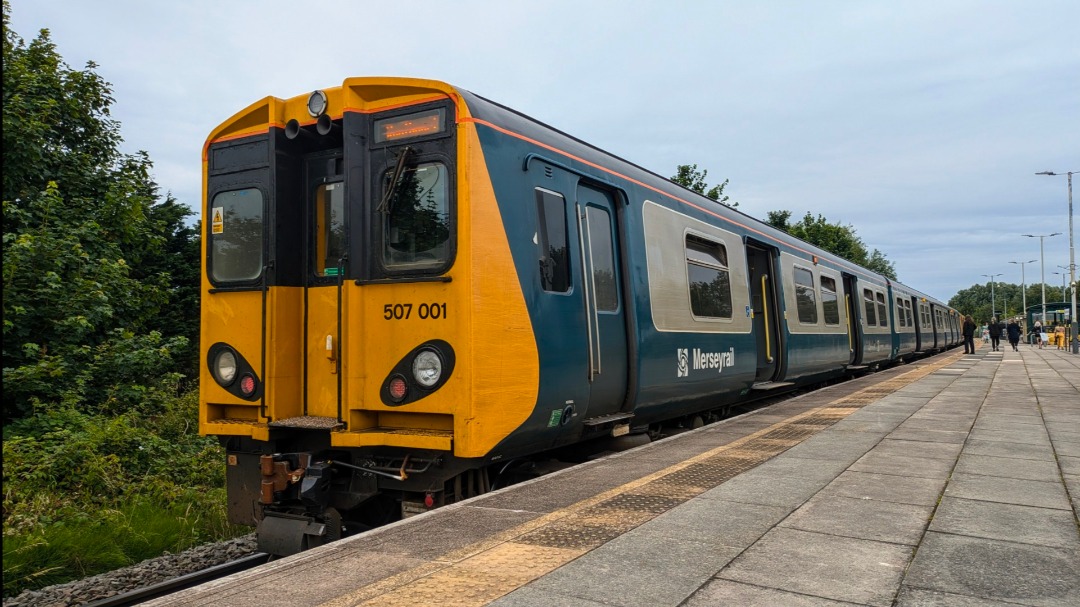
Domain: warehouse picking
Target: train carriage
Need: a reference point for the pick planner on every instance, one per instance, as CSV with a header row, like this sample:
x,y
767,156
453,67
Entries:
x,y
409,289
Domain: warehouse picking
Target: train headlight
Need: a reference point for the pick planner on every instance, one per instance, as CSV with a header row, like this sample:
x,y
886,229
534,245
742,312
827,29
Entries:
x,y
427,368
316,103
224,367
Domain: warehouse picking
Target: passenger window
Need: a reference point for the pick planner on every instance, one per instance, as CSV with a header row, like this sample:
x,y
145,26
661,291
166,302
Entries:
x,y
900,320
829,303
805,297
415,212
236,235
868,303
883,318
709,278
910,316
329,228
554,250
602,256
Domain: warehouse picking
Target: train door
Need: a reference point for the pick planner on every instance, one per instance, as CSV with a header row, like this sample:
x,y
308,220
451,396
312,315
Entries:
x,y
325,246
605,313
920,333
854,316
762,271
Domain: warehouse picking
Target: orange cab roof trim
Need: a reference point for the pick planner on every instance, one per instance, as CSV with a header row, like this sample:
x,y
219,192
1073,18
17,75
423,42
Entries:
x,y
365,95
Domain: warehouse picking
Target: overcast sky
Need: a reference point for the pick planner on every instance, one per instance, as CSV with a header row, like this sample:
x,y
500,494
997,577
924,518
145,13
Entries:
x,y
922,124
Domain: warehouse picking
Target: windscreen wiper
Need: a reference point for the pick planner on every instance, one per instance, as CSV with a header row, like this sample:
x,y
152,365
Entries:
x,y
395,178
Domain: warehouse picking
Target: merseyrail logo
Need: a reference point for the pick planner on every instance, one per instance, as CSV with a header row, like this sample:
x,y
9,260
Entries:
x,y
703,360
684,362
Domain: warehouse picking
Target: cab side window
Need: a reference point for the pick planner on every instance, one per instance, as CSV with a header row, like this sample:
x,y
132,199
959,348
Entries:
x,y
552,242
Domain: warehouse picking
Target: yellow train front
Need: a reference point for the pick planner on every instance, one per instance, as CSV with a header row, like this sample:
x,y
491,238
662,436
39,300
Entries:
x,y
365,341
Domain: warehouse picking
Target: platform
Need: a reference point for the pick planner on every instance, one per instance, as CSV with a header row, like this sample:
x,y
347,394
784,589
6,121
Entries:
x,y
951,481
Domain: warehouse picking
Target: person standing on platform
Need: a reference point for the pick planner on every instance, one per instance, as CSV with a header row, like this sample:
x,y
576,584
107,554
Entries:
x,y
1038,333
969,335
1013,331
995,334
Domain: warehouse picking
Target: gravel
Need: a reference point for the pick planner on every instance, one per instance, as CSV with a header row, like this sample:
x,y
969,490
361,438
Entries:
x,y
140,575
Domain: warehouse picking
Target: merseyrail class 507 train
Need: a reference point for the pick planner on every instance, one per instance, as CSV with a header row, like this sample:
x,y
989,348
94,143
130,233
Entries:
x,y
409,288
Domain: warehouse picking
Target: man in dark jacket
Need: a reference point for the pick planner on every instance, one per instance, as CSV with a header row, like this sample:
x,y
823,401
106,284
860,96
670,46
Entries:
x,y
969,335
1013,331
995,333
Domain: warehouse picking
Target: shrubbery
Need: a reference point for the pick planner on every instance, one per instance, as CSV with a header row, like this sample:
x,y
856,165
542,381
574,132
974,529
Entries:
x,y
103,464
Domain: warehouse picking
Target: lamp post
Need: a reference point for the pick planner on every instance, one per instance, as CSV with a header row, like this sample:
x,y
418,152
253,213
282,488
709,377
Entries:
x,y
1063,276
1072,263
993,305
1023,285
1042,269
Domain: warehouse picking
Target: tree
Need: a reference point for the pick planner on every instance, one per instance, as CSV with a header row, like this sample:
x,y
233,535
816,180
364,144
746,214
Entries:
x,y
688,176
100,275
833,237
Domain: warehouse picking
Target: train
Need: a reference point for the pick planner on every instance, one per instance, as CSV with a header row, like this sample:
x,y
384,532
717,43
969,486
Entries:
x,y
409,290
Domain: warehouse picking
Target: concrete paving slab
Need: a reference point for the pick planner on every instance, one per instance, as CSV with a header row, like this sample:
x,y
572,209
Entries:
x,y
1009,522
786,464
720,522
880,427
766,489
1069,465
923,423
947,451
1007,449
919,597
887,488
1009,467
1067,449
838,568
1008,491
861,519
727,592
635,570
930,436
1027,437
847,447
903,465
1011,420
527,596
996,570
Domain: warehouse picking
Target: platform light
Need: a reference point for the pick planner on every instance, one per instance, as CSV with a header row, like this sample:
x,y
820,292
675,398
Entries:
x,y
1072,262
1042,268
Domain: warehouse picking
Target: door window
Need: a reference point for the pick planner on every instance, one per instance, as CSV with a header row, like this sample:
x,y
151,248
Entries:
x,y
602,258
329,228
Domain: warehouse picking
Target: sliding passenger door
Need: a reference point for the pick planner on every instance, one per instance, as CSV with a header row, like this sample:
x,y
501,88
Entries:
x,y
598,241
851,300
763,275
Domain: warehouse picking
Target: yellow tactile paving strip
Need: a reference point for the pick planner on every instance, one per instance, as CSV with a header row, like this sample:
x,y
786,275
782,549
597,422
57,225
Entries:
x,y
482,572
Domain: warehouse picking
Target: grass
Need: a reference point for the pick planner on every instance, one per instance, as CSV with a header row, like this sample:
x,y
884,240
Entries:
x,y
79,547
88,493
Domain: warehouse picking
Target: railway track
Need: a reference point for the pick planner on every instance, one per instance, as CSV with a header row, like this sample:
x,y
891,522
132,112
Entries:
x,y
177,584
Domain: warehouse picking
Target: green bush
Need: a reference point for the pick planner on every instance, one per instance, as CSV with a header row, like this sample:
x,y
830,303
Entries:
x,y
85,494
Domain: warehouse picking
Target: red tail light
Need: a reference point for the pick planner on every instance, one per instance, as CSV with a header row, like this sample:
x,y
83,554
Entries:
x,y
397,388
247,385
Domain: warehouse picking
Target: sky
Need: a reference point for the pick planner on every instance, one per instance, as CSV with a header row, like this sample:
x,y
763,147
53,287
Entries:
x,y
919,123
